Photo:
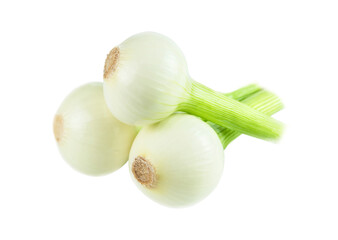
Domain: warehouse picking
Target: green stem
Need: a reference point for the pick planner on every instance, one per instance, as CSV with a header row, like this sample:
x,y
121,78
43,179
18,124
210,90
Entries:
x,y
227,112
263,101
244,92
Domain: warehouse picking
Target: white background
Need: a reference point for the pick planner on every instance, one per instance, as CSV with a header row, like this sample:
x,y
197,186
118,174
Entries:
x,y
287,190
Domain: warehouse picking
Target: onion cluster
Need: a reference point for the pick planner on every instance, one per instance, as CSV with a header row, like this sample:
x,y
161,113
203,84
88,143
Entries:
x,y
172,129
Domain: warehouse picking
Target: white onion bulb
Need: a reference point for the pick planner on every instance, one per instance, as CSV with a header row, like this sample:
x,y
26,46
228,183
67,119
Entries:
x,y
178,161
145,77
88,136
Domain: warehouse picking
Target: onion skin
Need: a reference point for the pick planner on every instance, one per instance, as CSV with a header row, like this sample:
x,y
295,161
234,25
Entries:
x,y
90,139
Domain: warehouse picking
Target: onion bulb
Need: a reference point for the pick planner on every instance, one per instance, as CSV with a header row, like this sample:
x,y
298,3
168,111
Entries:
x,y
88,136
179,161
146,79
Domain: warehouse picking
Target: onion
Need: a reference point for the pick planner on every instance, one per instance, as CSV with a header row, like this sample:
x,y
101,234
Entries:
x,y
179,161
88,136
146,79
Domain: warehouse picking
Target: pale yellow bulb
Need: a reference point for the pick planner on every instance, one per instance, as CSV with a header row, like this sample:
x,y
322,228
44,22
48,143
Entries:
x,y
178,161
89,137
